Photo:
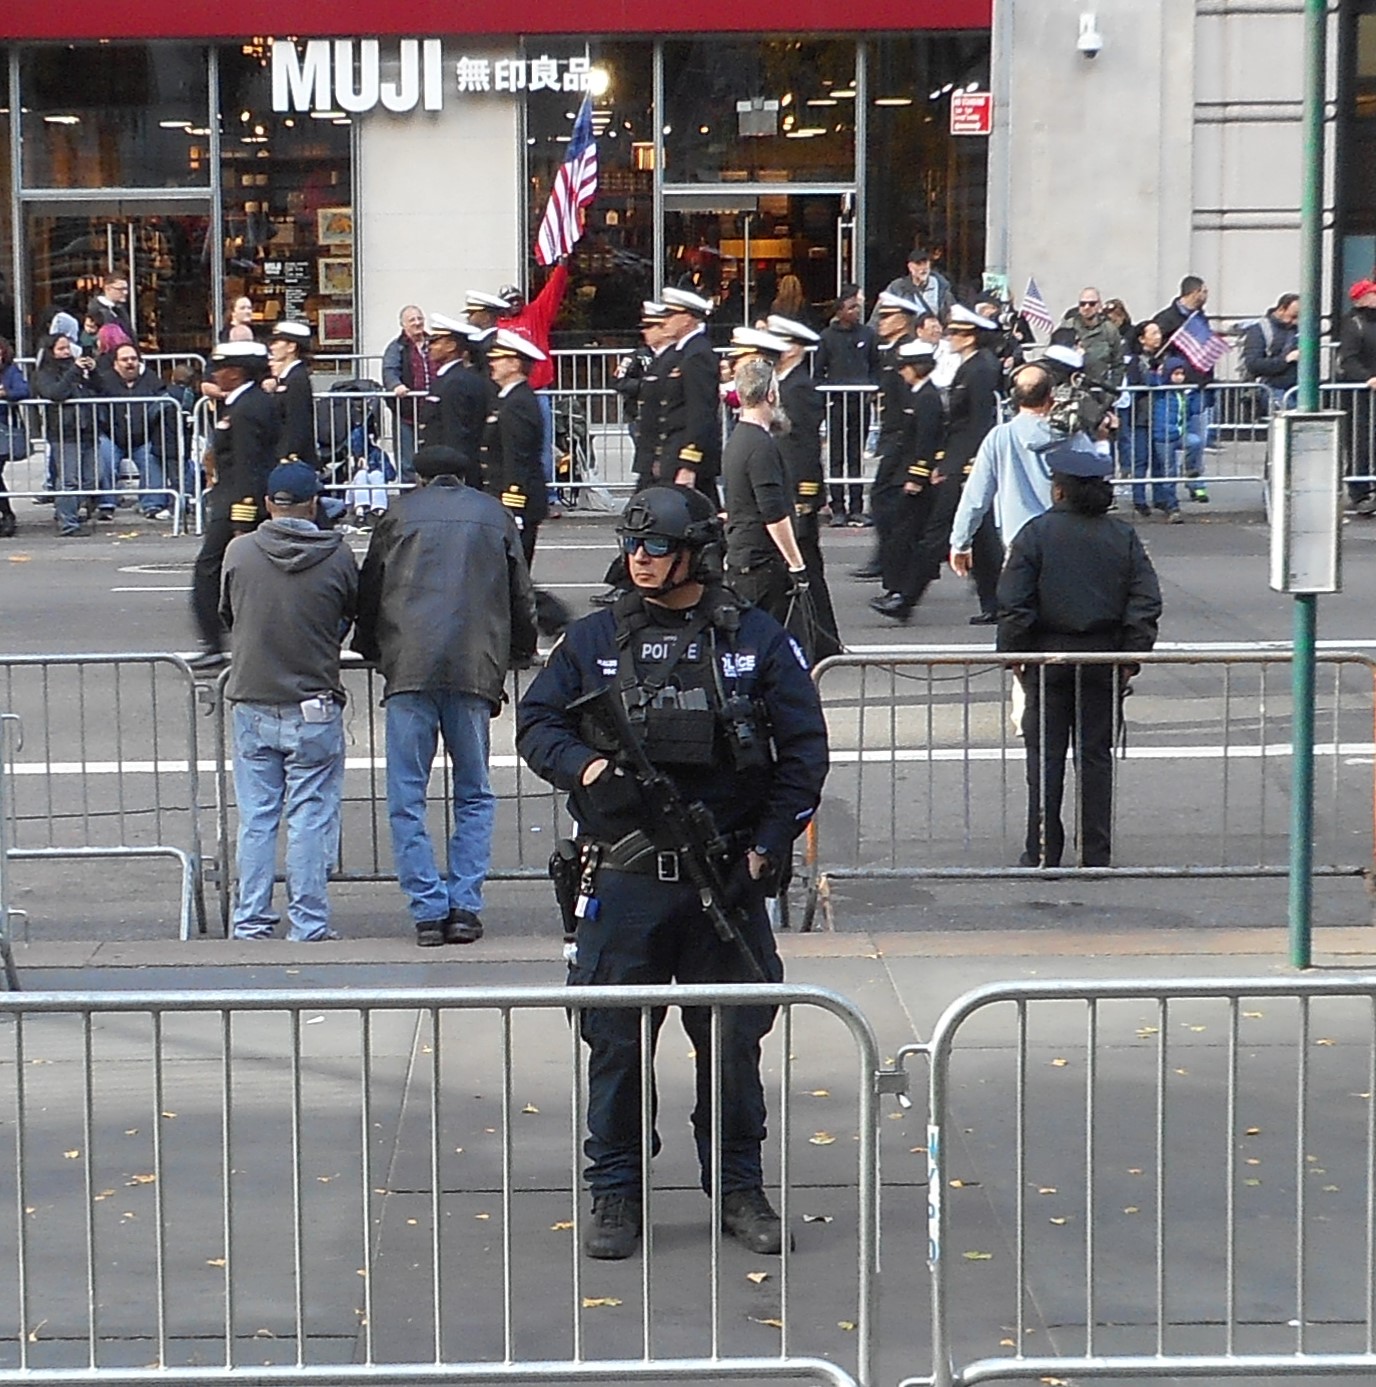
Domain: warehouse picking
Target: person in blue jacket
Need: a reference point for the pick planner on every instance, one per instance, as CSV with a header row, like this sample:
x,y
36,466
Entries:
x,y
719,694
14,438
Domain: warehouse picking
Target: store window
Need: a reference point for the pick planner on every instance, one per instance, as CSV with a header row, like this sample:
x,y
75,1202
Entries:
x,y
1356,164
759,110
113,115
287,206
938,198
612,267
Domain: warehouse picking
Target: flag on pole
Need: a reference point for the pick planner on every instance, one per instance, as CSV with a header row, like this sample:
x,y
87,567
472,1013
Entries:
x,y
1034,308
575,186
1198,343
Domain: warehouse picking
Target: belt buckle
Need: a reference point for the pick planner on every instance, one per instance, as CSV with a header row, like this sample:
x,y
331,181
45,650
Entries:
x,y
666,865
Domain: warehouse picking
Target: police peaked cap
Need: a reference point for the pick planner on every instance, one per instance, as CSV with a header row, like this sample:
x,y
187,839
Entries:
x,y
676,512
1074,456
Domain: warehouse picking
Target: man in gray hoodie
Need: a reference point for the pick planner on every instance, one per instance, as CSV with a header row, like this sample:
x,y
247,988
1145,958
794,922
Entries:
x,y
288,595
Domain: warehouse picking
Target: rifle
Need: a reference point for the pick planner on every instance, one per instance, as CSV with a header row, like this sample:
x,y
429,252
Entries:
x,y
688,827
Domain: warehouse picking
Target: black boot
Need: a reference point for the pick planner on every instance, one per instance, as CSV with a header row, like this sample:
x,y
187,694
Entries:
x,y
613,1232
750,1218
892,604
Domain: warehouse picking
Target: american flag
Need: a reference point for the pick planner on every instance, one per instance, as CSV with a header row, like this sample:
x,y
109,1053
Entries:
x,y
575,186
1198,343
1034,309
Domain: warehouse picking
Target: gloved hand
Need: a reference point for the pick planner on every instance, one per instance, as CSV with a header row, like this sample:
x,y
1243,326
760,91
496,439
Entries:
x,y
797,582
614,795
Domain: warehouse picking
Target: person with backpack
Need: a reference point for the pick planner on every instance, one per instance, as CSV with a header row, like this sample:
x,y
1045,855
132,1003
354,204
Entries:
x,y
1270,349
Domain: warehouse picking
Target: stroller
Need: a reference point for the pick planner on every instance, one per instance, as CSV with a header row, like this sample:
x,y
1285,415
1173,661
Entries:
x,y
347,433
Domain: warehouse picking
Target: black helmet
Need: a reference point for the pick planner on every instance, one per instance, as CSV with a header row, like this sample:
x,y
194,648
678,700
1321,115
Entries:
x,y
676,512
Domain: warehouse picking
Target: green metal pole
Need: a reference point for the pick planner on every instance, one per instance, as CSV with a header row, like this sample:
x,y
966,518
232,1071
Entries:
x,y
1306,615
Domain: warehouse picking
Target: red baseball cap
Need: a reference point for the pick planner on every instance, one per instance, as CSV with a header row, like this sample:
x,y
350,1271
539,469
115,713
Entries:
x,y
1361,289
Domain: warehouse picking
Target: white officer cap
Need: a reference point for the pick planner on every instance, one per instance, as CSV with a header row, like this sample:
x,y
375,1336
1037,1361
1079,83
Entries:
x,y
915,353
493,303
238,354
441,325
685,301
966,318
791,329
510,343
292,331
748,341
892,303
652,311
1065,356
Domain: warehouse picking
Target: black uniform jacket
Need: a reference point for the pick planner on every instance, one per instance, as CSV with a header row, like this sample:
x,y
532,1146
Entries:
x,y
455,410
972,409
650,412
1078,582
296,409
513,440
1357,346
689,425
245,445
760,661
444,598
801,446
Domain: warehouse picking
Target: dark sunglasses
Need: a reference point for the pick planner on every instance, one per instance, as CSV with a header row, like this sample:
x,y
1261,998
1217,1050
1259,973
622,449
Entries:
x,y
1089,303
656,546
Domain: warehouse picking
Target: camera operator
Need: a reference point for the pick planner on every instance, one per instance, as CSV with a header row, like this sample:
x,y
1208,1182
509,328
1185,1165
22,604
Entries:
x,y
719,697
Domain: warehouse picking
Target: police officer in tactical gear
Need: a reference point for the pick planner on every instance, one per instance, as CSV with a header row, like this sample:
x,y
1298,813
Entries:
x,y
719,696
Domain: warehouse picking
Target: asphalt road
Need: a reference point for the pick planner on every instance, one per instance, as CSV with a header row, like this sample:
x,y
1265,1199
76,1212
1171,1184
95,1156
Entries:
x,y
1205,781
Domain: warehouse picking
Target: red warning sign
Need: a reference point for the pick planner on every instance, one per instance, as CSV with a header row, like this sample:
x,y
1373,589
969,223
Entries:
x,y
972,113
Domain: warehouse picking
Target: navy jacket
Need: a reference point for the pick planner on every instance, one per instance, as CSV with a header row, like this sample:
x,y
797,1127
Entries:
x,y
760,661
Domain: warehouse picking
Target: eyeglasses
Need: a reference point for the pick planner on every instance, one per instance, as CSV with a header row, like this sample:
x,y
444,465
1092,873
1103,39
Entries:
x,y
1089,303
656,546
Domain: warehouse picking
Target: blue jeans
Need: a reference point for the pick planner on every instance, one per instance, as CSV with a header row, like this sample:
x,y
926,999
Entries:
x,y
74,473
415,722
547,445
282,762
151,474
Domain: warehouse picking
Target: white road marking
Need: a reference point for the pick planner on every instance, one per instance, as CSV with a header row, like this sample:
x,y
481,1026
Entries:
x,y
1359,752
185,589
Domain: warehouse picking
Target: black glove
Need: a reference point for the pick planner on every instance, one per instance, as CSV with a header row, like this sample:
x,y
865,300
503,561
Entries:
x,y
797,582
615,796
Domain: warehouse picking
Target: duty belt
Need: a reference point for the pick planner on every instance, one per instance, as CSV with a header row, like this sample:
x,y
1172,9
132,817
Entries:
x,y
635,853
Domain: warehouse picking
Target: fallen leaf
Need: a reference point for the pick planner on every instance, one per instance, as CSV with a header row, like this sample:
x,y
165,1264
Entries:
x,y
20,558
1197,1029
1254,1015
264,1334
845,1324
816,1218
1252,1132
1330,1189
562,1226
917,1150
965,1184
773,1324
215,1261
597,1302
1326,1041
103,1194
324,1179
1047,1189
1251,1182
482,1217
1058,1221
1055,1382
1132,1209
169,1114
1059,1063
821,1093
758,1277
1184,1073
362,1271
530,1108
821,1138
293,972
412,1222
1007,1343
141,1179
978,1256
32,1335
1134,1170
1144,1031
1253,1160
72,1154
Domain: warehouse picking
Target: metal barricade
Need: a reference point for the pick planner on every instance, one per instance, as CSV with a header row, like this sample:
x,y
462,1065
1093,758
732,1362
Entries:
x,y
1172,439
7,720
383,1185
1353,398
530,814
928,767
109,451
1153,1180
106,764
849,433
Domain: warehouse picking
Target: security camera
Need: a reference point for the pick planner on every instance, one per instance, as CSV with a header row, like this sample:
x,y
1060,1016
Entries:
x,y
1091,41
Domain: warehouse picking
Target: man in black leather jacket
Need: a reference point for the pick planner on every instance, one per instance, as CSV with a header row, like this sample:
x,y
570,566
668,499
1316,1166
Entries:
x,y
445,607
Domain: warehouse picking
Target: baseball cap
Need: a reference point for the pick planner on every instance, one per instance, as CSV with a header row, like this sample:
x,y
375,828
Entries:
x,y
293,483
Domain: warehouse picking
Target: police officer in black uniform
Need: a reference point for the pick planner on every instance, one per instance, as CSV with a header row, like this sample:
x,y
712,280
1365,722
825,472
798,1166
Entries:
x,y
513,437
721,697
287,354
800,442
687,446
1076,578
910,449
455,411
242,451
